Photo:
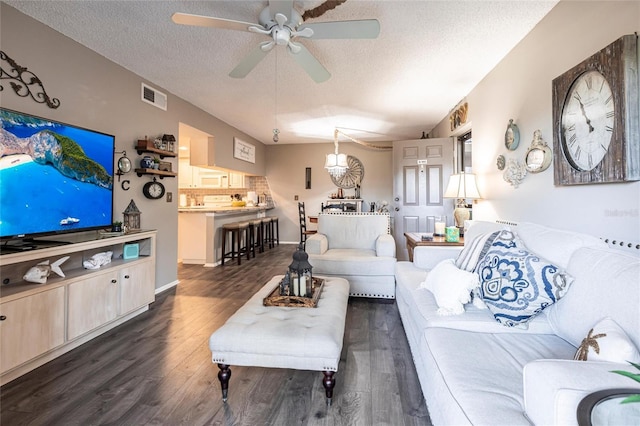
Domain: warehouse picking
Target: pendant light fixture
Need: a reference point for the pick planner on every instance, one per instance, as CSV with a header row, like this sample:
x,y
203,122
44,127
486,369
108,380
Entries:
x,y
336,163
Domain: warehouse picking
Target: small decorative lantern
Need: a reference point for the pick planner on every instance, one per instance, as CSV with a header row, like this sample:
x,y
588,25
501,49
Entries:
x,y
168,142
132,217
300,277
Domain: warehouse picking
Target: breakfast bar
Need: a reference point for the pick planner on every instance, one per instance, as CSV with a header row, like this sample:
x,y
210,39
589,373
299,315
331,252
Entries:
x,y
200,231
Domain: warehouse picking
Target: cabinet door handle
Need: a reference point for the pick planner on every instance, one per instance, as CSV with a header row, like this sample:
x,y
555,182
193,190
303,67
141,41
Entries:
x,y
114,281
3,317
126,277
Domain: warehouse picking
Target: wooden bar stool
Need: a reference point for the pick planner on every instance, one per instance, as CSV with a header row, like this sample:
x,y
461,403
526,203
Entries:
x,y
267,231
239,232
275,230
255,232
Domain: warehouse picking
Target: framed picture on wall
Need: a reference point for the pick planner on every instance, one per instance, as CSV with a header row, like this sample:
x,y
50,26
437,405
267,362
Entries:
x,y
244,151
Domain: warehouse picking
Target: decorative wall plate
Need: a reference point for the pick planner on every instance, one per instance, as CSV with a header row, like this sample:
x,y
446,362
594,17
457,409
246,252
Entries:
x,y
353,176
512,136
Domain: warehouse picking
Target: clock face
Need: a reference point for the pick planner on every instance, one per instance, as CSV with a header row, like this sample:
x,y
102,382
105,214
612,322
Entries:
x,y
153,190
588,118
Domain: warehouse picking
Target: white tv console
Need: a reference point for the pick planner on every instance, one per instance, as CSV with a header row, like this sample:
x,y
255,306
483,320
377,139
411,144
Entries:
x,y
39,322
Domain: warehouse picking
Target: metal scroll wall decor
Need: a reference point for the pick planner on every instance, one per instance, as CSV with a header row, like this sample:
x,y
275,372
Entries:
x,y
24,82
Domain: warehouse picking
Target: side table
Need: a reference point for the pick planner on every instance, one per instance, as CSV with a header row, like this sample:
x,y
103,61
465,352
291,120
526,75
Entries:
x,y
414,239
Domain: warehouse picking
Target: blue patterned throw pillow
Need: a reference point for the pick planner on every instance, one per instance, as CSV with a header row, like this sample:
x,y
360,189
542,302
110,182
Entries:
x,y
516,284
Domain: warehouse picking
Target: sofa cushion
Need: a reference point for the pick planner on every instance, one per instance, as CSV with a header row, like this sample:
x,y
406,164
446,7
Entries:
x,y
606,341
352,262
517,284
606,281
424,308
483,371
554,244
474,250
352,231
450,286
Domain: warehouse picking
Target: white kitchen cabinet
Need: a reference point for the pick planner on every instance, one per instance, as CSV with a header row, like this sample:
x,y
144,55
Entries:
x,y
236,180
186,178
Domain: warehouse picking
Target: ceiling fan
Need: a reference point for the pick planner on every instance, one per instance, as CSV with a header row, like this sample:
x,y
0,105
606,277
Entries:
x,y
280,21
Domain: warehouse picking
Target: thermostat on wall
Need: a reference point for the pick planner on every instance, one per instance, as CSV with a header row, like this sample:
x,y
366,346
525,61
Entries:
x,y
131,251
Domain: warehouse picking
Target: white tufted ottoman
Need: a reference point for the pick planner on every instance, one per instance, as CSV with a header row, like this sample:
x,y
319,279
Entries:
x,y
272,336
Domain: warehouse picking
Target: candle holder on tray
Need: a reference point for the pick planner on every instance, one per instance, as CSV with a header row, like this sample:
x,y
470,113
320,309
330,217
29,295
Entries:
x,y
298,287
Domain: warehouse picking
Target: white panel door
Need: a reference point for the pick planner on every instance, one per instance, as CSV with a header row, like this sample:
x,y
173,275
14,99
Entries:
x,y
421,171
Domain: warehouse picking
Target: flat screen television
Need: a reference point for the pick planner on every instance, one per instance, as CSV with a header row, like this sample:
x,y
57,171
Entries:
x,y
54,178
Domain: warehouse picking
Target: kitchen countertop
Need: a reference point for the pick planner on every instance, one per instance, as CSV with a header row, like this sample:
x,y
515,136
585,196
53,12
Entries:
x,y
205,209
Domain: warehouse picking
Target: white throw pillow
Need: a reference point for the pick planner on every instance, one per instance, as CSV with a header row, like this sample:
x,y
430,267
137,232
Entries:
x,y
607,341
450,286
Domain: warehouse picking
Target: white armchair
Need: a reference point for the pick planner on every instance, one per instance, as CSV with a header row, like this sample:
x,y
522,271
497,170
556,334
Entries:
x,y
358,247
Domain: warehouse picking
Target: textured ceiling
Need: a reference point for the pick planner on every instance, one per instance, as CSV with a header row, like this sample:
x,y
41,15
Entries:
x,y
428,56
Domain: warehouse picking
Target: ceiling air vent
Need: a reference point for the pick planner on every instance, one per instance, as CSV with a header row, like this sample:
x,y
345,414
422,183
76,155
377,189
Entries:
x,y
154,97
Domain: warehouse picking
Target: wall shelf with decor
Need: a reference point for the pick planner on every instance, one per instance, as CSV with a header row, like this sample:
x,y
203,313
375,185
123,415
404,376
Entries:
x,y
160,173
148,146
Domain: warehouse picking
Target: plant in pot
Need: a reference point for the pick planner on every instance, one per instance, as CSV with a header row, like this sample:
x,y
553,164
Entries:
x,y
632,376
116,226
156,163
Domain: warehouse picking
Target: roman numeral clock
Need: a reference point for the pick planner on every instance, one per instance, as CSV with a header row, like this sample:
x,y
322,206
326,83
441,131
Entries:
x,y
596,117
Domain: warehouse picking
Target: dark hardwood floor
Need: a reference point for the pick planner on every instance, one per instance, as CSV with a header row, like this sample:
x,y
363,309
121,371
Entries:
x,y
156,369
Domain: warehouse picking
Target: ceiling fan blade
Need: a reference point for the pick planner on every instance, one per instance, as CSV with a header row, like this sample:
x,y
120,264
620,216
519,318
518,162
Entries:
x,y
249,62
366,28
210,21
311,65
280,6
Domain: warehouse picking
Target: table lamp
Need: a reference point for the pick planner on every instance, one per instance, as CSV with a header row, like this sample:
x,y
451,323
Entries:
x,y
462,187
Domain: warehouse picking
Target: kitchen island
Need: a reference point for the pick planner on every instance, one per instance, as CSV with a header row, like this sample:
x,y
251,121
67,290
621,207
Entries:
x,y
200,233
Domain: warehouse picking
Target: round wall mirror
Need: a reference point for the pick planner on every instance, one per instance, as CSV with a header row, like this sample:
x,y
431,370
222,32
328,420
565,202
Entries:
x,y
124,165
538,156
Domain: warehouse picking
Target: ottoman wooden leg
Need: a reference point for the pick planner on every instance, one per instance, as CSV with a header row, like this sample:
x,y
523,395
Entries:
x,y
329,382
224,375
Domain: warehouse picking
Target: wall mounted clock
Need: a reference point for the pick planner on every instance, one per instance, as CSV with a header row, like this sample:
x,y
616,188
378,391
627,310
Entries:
x,y
153,190
353,176
596,119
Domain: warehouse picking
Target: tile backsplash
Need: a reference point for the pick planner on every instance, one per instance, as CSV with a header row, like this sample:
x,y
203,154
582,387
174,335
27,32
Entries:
x,y
259,184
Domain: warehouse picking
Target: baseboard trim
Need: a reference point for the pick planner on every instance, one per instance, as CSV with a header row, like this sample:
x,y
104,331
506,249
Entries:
x,y
167,286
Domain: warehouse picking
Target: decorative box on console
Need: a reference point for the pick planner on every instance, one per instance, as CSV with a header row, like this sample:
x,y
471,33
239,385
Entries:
x,y
452,234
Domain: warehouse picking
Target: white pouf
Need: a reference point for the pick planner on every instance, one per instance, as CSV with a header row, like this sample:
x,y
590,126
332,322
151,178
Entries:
x,y
283,337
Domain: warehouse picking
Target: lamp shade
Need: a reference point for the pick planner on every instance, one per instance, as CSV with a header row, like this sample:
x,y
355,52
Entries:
x,y
462,185
336,164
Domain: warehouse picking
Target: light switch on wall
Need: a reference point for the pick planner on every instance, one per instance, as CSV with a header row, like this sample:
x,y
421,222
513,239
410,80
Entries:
x,y
169,197
295,198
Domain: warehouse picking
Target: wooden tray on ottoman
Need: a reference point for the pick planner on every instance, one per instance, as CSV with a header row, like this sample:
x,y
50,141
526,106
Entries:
x,y
275,299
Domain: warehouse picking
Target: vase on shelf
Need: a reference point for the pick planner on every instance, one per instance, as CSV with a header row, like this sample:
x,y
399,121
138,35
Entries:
x,y
146,162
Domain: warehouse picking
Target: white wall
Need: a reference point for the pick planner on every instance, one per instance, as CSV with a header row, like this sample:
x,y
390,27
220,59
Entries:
x,y
520,88
286,166
96,93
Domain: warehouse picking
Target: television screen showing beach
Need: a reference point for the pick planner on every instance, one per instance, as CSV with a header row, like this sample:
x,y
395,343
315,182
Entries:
x,y
54,177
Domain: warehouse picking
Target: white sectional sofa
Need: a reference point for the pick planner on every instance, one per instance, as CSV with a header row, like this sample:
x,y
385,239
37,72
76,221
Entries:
x,y
358,247
475,370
